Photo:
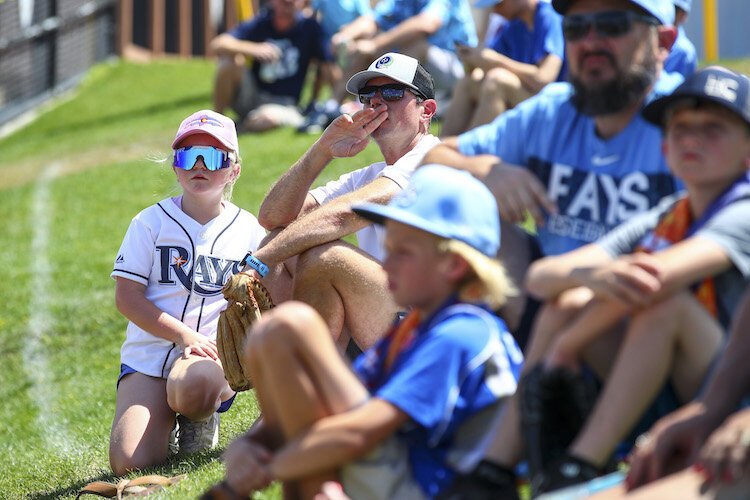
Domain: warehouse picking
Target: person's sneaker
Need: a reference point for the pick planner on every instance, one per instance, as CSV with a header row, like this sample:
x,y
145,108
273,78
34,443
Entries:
x,y
173,445
194,437
488,481
562,472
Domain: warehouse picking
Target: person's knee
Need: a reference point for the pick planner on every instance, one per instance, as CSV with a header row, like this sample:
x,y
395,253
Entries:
x,y
320,261
281,330
664,315
123,462
195,394
498,81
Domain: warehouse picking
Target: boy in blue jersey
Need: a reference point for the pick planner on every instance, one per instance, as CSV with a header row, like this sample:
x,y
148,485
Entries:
x,y
526,54
280,44
650,303
392,427
577,156
683,58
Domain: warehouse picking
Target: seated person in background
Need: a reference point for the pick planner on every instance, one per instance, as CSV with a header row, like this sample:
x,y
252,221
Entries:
x,y
281,43
648,306
682,58
391,428
426,30
708,433
332,15
526,54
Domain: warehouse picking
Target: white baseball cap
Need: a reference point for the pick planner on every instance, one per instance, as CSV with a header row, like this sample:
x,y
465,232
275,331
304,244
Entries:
x,y
399,67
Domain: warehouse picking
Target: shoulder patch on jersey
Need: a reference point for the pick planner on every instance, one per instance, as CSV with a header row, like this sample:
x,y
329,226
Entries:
x,y
120,259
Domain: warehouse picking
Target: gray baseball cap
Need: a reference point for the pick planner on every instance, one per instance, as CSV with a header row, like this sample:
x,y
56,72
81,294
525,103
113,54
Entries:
x,y
714,84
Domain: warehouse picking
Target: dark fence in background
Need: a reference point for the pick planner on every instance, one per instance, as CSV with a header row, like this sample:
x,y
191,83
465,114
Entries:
x,y
46,46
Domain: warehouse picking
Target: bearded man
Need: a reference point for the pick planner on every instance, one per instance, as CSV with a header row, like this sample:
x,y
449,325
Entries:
x,y
578,157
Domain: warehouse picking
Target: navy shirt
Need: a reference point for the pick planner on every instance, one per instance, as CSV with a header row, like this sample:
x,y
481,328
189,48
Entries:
x,y
299,45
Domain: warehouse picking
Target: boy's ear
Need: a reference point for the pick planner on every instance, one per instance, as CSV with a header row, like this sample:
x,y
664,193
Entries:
x,y
667,37
455,267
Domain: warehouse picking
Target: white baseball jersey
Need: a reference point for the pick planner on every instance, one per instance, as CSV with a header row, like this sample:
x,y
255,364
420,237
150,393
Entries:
x,y
372,237
184,265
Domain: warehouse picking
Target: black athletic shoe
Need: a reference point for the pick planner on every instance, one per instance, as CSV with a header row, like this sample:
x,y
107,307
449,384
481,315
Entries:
x,y
487,481
562,472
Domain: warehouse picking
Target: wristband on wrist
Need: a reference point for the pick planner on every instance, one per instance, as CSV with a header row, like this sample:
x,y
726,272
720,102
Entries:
x,y
256,264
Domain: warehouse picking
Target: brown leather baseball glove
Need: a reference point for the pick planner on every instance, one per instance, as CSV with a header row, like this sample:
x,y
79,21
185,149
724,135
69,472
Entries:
x,y
247,298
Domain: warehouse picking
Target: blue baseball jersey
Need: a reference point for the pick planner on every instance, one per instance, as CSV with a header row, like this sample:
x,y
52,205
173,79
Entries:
x,y
336,13
299,45
683,58
461,360
514,39
457,22
597,183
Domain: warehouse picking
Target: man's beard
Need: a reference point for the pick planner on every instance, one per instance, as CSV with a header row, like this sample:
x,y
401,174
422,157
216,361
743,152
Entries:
x,y
616,95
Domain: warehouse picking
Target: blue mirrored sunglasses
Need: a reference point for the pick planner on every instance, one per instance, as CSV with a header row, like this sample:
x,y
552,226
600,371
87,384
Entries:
x,y
213,158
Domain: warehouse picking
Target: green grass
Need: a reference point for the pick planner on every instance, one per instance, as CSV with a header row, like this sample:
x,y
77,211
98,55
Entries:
x,y
60,333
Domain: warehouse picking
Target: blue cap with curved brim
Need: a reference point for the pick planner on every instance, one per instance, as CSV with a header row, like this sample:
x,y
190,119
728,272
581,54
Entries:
x,y
714,84
446,202
480,4
662,10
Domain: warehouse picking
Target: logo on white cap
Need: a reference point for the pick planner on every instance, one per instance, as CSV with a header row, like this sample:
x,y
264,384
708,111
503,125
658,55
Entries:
x,y
723,88
205,120
384,62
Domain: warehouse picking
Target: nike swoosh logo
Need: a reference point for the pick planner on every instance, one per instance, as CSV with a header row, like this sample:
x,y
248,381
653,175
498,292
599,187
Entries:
x,y
601,161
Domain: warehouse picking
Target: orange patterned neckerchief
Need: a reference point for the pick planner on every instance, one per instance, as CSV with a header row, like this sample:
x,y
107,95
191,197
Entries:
x,y
401,337
673,227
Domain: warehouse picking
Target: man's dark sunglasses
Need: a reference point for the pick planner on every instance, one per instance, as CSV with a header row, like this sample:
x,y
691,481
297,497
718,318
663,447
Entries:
x,y
389,92
606,24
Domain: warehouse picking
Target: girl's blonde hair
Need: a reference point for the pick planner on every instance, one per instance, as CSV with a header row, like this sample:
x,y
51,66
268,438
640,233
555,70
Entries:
x,y
488,282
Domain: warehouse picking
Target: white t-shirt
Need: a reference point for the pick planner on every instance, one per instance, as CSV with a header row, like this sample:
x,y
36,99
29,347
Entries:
x,y
184,265
372,237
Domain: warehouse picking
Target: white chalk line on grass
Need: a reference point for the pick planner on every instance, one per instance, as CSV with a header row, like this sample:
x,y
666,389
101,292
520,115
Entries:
x,y
41,324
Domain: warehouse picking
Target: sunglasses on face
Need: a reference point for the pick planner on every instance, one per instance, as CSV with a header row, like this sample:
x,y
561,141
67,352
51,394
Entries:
x,y
606,24
389,92
213,158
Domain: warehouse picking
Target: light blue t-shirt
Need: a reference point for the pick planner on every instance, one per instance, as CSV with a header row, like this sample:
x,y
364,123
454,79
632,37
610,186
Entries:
x,y
460,361
514,39
336,13
458,24
596,183
682,58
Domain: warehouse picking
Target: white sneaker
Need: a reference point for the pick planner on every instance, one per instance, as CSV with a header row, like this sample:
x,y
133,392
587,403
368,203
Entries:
x,y
173,445
194,437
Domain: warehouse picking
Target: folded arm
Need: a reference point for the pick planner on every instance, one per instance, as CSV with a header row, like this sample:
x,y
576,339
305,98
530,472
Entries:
x,y
336,440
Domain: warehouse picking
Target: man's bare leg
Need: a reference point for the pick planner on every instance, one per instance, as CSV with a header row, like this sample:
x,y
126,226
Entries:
x,y
228,79
349,289
500,91
507,446
675,338
462,104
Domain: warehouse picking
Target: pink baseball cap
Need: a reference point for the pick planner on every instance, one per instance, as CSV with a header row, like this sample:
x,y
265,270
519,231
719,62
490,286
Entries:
x,y
212,123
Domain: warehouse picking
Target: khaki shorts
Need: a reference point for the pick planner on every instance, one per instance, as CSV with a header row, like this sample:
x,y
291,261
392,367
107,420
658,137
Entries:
x,y
383,474
445,68
250,100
